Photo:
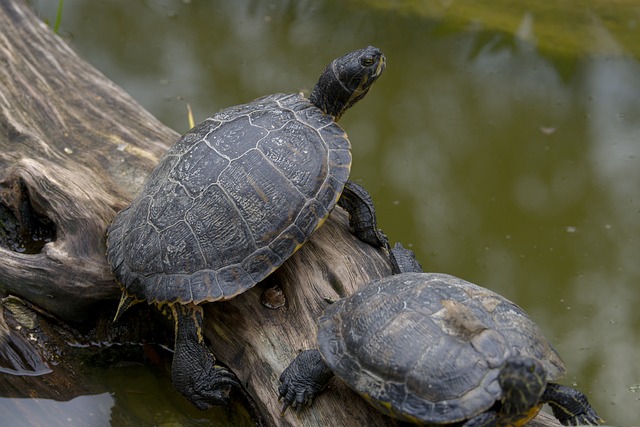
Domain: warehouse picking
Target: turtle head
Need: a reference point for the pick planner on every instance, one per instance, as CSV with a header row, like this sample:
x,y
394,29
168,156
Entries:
x,y
347,80
523,380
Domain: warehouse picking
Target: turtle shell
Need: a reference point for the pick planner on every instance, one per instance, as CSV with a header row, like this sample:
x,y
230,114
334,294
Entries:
x,y
428,347
230,201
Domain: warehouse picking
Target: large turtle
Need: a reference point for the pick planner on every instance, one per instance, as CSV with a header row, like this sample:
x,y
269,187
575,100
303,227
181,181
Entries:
x,y
231,201
433,349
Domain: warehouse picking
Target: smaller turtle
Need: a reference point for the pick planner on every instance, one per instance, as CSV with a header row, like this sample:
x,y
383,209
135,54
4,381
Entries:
x,y
433,349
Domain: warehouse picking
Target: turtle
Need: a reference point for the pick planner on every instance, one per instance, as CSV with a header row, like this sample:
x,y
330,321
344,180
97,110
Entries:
x,y
231,200
433,349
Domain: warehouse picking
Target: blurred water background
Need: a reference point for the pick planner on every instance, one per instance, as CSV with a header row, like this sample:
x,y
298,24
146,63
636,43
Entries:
x,y
502,145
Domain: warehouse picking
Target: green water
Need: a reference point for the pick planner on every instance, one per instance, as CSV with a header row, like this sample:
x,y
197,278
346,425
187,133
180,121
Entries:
x,y
502,144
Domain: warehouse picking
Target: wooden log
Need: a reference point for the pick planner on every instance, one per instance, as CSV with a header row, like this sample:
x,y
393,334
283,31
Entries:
x,y
74,149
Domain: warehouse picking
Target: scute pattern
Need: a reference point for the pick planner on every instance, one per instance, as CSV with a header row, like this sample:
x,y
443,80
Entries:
x,y
230,201
196,170
218,226
429,346
310,168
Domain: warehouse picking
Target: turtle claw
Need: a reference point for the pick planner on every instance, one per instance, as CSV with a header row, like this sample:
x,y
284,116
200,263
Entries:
x,y
293,397
212,388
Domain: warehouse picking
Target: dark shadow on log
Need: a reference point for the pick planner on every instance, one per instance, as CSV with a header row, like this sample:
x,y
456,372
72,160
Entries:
x,y
74,149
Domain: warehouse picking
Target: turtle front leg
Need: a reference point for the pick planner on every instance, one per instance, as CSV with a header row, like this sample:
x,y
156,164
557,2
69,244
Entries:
x,y
570,406
194,371
362,215
305,377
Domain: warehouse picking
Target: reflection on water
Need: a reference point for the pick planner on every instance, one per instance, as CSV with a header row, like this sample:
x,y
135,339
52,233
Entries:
x,y
502,143
130,395
81,411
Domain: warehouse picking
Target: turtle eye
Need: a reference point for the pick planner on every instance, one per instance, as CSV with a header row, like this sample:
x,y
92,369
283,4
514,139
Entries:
x,y
367,61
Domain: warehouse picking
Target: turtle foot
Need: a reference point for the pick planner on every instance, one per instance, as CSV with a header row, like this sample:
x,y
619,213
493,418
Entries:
x,y
209,388
194,371
305,377
403,260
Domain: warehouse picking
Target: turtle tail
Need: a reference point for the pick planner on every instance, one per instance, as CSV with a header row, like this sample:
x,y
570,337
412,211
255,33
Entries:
x,y
125,302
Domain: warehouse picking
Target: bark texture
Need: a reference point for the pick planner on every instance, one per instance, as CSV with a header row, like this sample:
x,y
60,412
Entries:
x,y
74,148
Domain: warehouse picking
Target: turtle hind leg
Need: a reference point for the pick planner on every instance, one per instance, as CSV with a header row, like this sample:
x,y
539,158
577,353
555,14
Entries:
x,y
570,406
362,215
194,371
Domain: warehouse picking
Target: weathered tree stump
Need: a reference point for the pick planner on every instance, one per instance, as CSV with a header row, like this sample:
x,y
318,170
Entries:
x,y
74,149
